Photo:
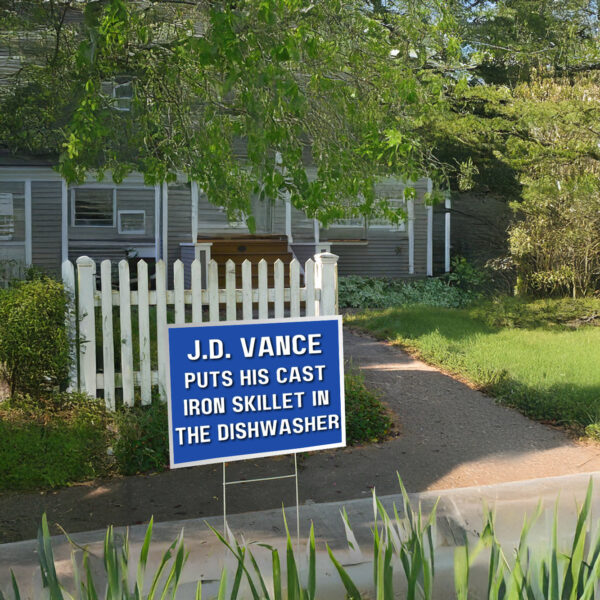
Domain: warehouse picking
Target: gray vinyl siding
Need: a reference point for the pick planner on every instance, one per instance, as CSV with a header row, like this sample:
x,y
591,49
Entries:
x,y
46,227
378,258
180,222
302,227
212,219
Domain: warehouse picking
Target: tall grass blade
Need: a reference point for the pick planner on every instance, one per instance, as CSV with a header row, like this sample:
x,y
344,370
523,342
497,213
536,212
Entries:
x,y
294,588
461,571
237,553
261,579
311,587
223,585
15,586
141,570
89,587
46,560
351,589
172,581
276,576
166,557
239,572
573,584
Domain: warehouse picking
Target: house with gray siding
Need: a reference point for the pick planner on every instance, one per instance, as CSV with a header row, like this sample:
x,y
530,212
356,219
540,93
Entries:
x,y
44,221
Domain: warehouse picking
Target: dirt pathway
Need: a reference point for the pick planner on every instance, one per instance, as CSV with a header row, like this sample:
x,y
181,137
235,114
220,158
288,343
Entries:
x,y
450,436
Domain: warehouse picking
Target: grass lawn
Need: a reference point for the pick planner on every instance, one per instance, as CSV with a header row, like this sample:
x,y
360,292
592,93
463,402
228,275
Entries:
x,y
530,355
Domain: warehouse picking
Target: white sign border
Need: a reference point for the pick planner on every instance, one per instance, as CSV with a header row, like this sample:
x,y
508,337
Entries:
x,y
226,459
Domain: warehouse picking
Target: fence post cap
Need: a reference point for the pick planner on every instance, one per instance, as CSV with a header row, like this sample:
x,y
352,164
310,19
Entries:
x,y
326,258
86,261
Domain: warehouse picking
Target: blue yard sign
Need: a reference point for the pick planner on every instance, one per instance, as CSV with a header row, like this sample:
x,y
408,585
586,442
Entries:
x,y
254,388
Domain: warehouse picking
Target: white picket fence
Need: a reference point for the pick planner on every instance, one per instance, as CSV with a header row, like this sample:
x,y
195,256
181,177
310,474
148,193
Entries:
x,y
315,295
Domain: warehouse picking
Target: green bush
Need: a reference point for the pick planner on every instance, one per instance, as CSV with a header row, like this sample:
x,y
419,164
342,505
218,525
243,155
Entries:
x,y
142,442
366,418
34,345
52,442
380,292
467,276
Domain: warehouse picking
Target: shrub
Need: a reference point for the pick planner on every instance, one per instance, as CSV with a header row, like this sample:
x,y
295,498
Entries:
x,y
555,245
379,292
142,442
52,442
467,276
366,418
34,345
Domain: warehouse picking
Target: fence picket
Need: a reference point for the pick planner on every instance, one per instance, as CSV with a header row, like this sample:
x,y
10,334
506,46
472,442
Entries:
x,y
247,290
230,295
213,291
161,327
108,347
86,269
263,290
178,289
294,288
278,275
68,275
309,284
144,333
126,333
196,273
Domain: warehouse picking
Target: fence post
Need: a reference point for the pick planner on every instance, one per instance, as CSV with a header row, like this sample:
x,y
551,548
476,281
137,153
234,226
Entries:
x,y
68,276
327,283
86,281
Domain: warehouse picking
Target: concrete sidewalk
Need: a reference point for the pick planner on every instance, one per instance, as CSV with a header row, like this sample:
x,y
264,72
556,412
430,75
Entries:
x,y
459,514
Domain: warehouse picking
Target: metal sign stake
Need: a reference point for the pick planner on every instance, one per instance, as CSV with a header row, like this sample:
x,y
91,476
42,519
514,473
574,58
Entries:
x,y
240,481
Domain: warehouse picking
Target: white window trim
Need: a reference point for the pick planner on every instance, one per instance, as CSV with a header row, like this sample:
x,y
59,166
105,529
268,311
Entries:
x,y
131,231
94,187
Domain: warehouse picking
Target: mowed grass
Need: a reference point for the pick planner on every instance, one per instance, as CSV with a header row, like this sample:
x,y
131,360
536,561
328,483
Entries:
x,y
550,370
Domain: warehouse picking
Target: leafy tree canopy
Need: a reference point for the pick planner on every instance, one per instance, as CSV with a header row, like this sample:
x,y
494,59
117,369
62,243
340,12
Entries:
x,y
240,95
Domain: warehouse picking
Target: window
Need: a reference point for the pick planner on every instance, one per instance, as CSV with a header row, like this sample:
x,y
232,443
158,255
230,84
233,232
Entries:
x,y
349,222
122,94
7,217
120,90
93,207
132,221
382,223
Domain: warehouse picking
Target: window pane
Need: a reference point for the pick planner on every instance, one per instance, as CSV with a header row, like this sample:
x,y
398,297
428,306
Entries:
x,y
7,217
132,222
94,207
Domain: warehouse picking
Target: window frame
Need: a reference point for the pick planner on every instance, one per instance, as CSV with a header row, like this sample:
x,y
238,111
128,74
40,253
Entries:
x,y
7,237
94,187
116,99
127,211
